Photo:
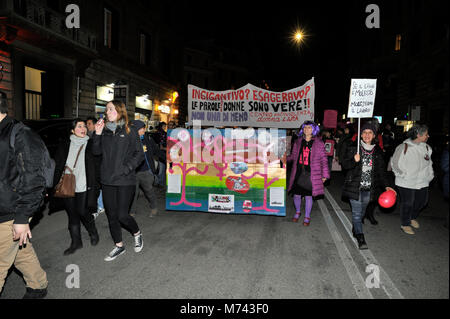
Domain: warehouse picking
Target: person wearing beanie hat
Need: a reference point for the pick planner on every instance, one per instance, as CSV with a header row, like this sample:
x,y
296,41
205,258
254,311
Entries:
x,y
369,126
366,178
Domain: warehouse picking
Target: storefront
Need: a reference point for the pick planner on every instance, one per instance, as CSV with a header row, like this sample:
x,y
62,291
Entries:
x,y
144,110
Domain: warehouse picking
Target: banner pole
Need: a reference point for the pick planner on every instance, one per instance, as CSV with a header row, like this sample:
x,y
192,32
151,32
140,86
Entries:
x,y
359,134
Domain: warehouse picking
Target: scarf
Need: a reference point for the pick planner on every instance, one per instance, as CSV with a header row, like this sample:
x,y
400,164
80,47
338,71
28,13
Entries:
x,y
113,125
80,170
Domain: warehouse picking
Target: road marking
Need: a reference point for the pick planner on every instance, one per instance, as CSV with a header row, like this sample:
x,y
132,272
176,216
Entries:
x,y
358,282
385,281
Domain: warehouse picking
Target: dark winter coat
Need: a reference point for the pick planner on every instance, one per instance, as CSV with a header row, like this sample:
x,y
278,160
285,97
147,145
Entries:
x,y
121,154
379,177
319,165
22,185
93,188
154,153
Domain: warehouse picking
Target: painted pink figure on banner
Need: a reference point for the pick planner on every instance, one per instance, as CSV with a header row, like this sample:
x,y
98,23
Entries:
x,y
309,170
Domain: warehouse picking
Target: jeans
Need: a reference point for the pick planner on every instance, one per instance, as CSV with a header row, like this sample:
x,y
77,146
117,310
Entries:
x,y
358,210
412,202
100,201
117,206
144,181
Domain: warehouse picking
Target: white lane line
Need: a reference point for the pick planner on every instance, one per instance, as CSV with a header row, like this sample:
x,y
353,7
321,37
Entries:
x,y
358,281
385,281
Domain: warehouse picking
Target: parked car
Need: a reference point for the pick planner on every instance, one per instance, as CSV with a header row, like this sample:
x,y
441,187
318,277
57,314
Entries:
x,y
51,131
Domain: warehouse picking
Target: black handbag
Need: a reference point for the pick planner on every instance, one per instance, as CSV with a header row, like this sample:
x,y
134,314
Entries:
x,y
304,180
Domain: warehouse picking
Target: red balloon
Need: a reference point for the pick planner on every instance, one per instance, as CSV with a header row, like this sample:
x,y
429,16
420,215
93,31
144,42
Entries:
x,y
387,199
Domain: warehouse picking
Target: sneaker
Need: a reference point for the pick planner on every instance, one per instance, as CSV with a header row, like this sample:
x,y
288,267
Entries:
x,y
408,230
117,251
306,221
35,293
138,243
415,224
99,211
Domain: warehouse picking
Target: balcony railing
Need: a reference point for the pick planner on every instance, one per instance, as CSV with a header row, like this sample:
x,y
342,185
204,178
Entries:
x,y
37,13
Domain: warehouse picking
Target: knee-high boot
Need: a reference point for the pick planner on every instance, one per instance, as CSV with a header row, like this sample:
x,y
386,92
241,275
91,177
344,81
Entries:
x,y
75,235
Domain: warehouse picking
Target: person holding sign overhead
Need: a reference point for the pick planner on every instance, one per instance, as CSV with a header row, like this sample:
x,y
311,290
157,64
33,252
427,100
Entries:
x,y
366,177
309,170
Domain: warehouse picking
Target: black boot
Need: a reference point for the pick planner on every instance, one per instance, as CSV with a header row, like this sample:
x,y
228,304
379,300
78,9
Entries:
x,y
361,241
353,232
75,234
89,223
369,214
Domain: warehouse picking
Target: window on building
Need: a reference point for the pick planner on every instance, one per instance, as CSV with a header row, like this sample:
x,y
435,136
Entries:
x,y
398,42
108,28
111,28
33,93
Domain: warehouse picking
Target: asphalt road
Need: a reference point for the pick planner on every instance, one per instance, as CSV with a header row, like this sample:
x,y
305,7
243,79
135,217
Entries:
x,y
190,255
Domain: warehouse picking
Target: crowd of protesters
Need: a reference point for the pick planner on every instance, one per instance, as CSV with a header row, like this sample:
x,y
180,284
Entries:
x,y
113,159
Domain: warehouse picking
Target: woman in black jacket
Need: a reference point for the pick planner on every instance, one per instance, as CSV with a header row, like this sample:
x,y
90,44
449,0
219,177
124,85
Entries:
x,y
121,154
86,190
366,178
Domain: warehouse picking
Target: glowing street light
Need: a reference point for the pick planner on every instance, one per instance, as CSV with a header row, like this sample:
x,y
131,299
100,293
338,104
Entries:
x,y
298,36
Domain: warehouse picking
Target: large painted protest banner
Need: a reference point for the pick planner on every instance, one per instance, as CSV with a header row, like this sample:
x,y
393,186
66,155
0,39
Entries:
x,y
227,171
252,106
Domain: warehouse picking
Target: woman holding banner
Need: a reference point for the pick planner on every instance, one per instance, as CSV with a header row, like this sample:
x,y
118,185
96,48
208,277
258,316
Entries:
x,y
309,170
366,177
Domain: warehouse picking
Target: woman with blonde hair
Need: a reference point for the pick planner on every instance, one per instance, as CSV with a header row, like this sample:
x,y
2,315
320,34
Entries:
x,y
121,154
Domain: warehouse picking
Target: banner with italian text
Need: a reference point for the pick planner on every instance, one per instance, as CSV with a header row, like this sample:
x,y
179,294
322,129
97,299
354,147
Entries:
x,y
251,106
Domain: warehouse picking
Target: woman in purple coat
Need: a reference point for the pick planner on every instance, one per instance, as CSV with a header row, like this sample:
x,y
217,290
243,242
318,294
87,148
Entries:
x,y
309,170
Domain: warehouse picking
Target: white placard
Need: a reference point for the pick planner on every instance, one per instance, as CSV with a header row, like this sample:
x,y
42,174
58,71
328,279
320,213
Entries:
x,y
174,183
277,196
251,106
362,98
219,203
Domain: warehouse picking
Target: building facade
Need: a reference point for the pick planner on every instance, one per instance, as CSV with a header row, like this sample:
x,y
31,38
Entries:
x,y
408,55
52,70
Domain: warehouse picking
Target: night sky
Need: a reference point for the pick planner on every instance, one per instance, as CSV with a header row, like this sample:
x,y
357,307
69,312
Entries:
x,y
267,28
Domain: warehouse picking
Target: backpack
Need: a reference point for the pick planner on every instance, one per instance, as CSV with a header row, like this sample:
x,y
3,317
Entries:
x,y
47,163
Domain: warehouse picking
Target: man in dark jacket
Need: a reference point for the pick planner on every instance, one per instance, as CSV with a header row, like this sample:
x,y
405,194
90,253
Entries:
x,y
146,172
22,187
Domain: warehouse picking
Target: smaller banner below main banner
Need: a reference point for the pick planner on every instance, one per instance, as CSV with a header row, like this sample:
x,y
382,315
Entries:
x,y
228,171
251,106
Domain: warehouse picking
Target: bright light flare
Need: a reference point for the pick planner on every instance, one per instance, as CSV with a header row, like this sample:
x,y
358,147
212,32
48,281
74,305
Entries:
x,y
298,36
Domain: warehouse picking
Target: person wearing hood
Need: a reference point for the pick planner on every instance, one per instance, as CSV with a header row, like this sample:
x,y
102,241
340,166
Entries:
x,y
76,154
366,178
413,170
121,153
146,173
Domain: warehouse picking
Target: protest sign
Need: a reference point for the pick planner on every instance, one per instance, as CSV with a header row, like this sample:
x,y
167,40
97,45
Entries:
x,y
228,171
330,118
362,98
251,106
